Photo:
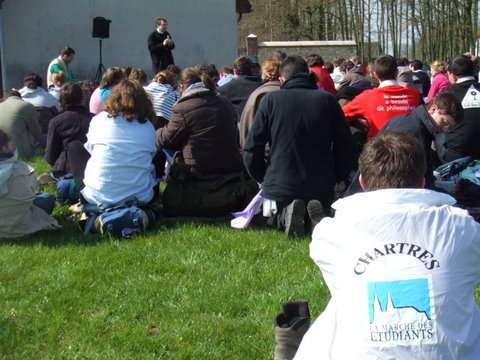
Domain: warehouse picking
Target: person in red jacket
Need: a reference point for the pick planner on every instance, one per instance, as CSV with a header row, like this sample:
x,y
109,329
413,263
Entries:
x,y
324,80
375,107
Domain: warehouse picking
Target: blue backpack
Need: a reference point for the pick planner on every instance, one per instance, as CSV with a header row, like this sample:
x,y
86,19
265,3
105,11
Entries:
x,y
120,221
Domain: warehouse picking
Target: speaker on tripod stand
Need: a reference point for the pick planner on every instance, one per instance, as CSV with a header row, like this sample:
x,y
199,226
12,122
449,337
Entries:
x,y
101,30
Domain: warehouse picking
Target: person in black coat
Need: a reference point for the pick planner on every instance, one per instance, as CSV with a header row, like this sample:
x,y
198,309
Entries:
x,y
160,46
311,148
240,88
462,139
424,122
420,79
70,124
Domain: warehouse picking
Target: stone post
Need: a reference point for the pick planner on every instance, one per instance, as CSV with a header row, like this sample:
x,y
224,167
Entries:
x,y
252,46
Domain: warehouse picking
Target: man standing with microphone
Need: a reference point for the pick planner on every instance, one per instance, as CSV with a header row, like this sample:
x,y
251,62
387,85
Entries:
x,y
160,45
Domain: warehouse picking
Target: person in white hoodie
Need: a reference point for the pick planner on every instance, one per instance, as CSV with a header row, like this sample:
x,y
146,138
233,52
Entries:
x,y
46,105
402,265
35,94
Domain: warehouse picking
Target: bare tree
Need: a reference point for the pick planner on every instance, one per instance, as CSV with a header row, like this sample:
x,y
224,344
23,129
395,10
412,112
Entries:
x,y
411,28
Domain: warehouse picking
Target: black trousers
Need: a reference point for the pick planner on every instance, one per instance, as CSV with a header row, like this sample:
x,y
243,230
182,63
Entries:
x,y
277,220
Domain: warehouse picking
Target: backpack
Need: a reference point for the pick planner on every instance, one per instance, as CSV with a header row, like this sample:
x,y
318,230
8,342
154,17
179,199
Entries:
x,y
121,221
186,195
447,176
459,178
67,192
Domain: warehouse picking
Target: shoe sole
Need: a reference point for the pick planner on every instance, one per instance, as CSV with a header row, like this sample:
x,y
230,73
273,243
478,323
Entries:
x,y
294,219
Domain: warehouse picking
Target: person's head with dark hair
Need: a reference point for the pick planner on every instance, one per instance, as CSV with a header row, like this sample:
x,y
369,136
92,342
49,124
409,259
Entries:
x,y
161,24
278,55
402,61
256,68
190,76
71,94
88,86
67,54
346,66
139,75
130,99
270,70
210,70
32,81
127,70
385,68
445,109
392,160
174,69
112,76
314,60
293,65
11,92
242,66
337,61
460,66
159,20
67,50
329,67
415,65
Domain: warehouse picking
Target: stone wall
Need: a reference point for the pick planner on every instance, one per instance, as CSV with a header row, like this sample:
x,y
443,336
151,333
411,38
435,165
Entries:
x,y
261,50
326,49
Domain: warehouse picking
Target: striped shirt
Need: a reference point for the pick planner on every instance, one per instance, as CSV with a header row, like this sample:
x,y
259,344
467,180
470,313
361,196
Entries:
x,y
163,97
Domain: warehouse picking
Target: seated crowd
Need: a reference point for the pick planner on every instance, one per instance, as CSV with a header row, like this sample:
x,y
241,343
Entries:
x,y
294,129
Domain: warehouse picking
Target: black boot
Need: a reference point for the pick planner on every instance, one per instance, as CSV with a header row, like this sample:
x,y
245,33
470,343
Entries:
x,y
290,326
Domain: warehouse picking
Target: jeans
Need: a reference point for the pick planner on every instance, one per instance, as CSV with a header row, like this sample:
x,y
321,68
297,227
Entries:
x,y
44,201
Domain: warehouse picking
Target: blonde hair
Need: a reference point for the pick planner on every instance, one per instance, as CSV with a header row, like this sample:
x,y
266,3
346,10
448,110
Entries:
x,y
59,78
438,66
270,70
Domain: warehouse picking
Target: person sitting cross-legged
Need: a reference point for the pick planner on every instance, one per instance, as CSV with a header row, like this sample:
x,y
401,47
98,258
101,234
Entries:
x,y
70,124
203,135
115,164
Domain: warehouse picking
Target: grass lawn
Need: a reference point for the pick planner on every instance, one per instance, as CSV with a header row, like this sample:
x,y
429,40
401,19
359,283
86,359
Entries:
x,y
184,291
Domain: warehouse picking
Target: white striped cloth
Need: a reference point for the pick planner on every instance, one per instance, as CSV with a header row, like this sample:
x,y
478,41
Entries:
x,y
163,97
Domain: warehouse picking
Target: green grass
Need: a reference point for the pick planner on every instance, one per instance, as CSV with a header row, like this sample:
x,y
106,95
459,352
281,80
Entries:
x,y
184,291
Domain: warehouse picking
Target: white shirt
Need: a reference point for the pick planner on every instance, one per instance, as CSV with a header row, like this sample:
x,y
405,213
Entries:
x,y
39,97
120,167
402,266
337,77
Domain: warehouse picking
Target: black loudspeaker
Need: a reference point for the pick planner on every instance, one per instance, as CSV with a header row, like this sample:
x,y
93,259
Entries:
x,y
101,27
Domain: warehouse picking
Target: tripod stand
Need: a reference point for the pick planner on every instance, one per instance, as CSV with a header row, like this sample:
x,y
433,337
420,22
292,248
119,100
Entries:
x,y
100,68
